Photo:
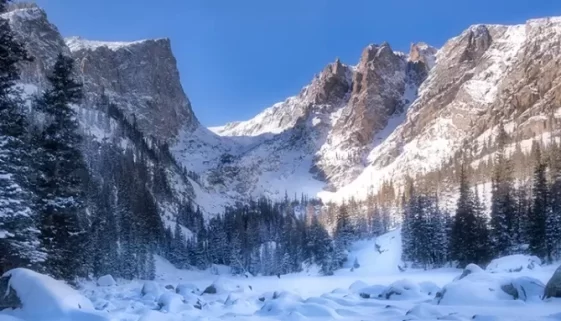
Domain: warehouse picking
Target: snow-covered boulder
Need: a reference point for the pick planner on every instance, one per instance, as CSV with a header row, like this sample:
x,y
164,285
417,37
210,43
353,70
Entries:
x,y
106,280
282,302
44,298
483,288
429,288
553,287
402,290
187,288
8,297
357,286
469,269
170,302
372,291
224,286
514,263
527,288
150,290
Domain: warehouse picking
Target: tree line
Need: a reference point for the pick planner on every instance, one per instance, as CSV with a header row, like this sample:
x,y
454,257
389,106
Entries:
x,y
524,216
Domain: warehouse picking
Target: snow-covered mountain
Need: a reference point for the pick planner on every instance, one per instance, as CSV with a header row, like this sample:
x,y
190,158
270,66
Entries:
x,y
353,127
394,115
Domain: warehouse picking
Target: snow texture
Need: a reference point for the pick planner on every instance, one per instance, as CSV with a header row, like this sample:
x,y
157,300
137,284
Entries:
x,y
44,298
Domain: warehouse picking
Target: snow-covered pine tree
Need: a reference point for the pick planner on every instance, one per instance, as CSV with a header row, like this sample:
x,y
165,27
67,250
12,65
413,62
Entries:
x,y
540,207
483,250
62,169
19,235
553,220
464,236
407,226
502,199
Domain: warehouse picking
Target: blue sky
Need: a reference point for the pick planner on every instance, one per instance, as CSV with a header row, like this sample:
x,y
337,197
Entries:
x,y
237,57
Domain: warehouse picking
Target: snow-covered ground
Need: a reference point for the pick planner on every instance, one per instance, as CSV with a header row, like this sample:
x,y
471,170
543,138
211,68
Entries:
x,y
377,290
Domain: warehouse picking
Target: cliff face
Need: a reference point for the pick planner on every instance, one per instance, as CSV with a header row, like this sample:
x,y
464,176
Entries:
x,y
140,76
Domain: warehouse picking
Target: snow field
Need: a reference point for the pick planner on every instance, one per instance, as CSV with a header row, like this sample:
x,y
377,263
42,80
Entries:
x,y
377,290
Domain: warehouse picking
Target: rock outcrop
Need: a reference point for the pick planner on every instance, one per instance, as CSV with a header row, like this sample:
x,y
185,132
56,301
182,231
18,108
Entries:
x,y
140,77
553,286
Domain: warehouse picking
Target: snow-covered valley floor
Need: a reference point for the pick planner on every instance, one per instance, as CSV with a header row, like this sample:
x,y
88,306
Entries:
x,y
377,290
309,296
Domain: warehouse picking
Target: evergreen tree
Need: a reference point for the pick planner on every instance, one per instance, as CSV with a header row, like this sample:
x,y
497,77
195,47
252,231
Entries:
x,y
539,213
19,235
62,170
502,200
464,237
553,219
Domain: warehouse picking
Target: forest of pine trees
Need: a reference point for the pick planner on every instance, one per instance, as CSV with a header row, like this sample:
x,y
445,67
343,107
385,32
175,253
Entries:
x,y
524,216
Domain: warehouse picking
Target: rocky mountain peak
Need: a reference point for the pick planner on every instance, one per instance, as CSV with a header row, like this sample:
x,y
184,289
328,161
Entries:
x,y
331,86
42,39
141,77
476,41
420,52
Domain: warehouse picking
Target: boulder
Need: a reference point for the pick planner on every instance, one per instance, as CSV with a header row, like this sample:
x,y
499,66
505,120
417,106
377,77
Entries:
x,y
8,296
211,289
553,286
187,288
402,290
151,288
469,269
106,280
514,263
170,302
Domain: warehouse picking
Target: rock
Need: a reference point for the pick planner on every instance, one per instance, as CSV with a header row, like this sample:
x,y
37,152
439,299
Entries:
x,y
186,288
514,263
469,269
357,286
150,288
553,286
211,289
527,288
170,287
510,290
430,288
372,291
106,280
401,290
8,296
170,302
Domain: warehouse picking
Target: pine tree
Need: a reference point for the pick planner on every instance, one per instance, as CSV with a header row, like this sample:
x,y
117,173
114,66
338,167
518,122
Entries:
x,y
502,200
538,215
553,219
62,170
19,241
464,237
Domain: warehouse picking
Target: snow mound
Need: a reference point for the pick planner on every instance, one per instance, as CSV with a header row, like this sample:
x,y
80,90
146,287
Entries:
x,y
429,288
150,290
170,302
106,280
44,298
514,263
425,311
486,289
187,289
468,270
403,290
